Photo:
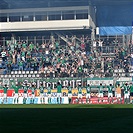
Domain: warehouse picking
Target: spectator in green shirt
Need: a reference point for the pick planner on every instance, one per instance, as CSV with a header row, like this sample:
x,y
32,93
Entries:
x,y
80,70
31,46
24,45
21,66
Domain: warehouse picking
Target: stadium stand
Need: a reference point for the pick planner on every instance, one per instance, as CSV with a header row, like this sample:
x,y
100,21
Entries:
x,y
87,54
54,58
66,51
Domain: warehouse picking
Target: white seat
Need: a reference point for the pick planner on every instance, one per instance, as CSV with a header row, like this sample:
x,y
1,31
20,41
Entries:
x,y
48,71
33,75
31,72
35,72
17,76
27,72
37,75
19,72
29,75
23,72
9,76
131,74
13,76
16,72
115,70
12,72
25,76
21,76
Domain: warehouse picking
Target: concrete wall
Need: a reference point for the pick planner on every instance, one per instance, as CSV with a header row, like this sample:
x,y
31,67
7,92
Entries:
x,y
44,25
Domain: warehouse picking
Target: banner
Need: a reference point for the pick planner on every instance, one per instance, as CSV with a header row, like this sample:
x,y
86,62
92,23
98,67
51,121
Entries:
x,y
84,92
74,92
64,92
64,100
97,81
103,100
54,99
10,93
1,93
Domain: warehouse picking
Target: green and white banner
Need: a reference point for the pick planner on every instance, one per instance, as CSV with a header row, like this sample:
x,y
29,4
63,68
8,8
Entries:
x,y
97,81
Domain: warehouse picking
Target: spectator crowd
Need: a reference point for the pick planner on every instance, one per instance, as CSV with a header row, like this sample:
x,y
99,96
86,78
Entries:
x,y
76,57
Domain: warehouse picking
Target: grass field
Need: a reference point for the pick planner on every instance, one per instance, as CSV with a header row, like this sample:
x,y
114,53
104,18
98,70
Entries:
x,y
66,118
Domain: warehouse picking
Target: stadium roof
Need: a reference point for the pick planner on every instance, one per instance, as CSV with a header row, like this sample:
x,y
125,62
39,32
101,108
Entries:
x,y
52,3
112,16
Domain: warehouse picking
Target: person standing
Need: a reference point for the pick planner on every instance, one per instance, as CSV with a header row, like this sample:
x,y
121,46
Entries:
x,y
5,88
79,92
41,88
16,88
126,93
25,95
118,93
33,88
100,91
88,95
49,93
110,93
69,92
131,93
59,88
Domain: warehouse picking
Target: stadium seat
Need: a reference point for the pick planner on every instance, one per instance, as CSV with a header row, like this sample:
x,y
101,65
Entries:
x,y
19,72
35,72
27,72
9,76
33,76
6,76
37,75
21,76
16,72
23,72
13,76
25,76
29,75
31,72
12,72
17,76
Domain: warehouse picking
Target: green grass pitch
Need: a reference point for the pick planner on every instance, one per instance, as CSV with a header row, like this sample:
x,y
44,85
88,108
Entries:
x,y
77,118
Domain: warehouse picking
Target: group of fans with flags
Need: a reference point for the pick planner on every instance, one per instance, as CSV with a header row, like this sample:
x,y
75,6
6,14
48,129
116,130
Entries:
x,y
112,91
